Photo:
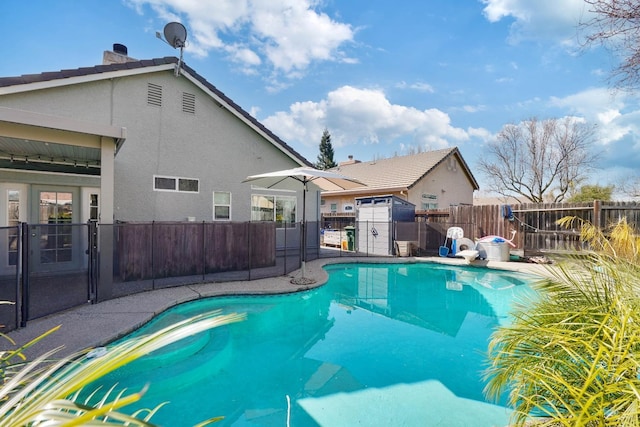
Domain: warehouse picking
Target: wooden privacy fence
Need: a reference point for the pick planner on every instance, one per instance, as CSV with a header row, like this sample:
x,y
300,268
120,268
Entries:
x,y
535,224
153,250
475,221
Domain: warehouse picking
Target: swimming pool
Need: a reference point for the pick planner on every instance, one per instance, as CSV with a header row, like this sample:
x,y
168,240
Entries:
x,y
379,344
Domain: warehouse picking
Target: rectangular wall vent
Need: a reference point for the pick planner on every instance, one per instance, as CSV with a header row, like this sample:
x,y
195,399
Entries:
x,y
188,103
154,95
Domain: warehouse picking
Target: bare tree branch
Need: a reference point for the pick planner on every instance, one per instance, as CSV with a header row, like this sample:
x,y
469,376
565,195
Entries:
x,y
630,186
615,24
539,160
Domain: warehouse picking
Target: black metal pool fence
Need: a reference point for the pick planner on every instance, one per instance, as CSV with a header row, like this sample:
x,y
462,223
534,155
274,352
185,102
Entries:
x,y
47,268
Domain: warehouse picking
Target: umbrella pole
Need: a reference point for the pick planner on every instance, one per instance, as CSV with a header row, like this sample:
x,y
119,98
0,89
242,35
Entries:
x,y
303,228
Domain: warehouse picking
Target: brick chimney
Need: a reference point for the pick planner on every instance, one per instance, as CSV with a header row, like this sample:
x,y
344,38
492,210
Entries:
x,y
351,161
117,56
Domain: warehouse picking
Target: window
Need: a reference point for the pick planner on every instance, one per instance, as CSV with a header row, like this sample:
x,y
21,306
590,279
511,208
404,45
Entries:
x,y
189,185
93,207
334,207
429,201
428,206
185,185
281,209
221,206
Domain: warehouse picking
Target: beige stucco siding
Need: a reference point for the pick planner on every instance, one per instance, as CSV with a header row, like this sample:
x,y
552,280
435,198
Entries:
x,y
448,182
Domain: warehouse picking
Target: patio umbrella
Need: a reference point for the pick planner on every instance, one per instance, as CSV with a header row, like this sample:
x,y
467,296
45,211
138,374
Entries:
x,y
293,179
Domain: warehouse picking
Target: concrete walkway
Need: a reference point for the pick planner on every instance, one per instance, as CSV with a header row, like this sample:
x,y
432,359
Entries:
x,y
95,325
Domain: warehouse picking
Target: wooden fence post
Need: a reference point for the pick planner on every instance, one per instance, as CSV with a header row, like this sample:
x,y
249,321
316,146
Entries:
x,y
597,214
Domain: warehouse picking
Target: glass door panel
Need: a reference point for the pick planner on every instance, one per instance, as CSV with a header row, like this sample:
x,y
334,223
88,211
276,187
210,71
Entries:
x,y
13,220
56,213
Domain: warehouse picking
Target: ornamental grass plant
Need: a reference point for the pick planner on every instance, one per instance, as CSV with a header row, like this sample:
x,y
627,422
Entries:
x,y
45,391
571,355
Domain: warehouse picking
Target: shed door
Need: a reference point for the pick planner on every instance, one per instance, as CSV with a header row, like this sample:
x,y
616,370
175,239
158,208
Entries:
x,y
373,230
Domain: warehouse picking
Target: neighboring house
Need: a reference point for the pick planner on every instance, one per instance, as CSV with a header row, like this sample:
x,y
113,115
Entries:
x,y
133,141
481,199
181,147
430,180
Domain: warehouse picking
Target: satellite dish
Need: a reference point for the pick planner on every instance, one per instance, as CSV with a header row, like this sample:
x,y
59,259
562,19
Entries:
x,y
175,34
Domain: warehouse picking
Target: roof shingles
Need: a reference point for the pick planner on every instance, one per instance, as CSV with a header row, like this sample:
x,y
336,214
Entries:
x,y
400,171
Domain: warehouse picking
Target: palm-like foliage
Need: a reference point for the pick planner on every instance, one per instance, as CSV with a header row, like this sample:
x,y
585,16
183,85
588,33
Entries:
x,y
619,240
571,356
45,391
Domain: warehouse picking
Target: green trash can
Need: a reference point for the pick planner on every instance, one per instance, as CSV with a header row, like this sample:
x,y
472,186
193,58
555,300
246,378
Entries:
x,y
351,237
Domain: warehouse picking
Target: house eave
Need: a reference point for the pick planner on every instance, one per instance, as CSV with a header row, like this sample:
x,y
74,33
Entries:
x,y
365,191
87,78
30,118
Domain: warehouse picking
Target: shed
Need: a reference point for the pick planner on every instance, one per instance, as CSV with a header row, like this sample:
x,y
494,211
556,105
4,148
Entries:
x,y
376,218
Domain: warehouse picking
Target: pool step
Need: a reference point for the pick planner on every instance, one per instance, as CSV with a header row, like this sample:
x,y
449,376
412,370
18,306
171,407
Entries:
x,y
425,403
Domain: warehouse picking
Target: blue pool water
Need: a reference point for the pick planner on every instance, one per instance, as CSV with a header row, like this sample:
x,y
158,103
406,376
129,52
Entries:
x,y
379,344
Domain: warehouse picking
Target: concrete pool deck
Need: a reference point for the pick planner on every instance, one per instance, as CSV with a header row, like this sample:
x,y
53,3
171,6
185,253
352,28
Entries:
x,y
96,325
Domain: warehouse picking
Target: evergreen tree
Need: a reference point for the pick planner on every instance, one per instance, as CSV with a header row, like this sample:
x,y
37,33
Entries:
x,y
589,193
325,158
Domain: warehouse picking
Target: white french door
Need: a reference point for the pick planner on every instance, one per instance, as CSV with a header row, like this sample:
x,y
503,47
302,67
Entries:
x,y
13,212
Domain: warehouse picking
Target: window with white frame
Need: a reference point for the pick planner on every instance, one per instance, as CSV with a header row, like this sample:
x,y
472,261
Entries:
x,y
172,183
429,201
281,209
221,206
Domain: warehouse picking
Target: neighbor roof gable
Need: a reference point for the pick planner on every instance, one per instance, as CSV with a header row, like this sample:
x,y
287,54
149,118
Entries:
x,y
31,82
401,172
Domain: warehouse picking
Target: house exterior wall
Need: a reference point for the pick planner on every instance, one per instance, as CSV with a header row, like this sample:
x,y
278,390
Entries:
x,y
212,145
447,182
340,201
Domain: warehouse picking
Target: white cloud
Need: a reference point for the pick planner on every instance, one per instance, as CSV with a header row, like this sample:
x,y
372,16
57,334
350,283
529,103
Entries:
x,y
473,108
555,20
419,86
609,112
244,55
481,133
608,116
365,116
590,102
287,35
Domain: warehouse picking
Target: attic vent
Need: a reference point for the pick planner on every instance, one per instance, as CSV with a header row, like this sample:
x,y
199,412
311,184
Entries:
x,y
188,103
154,95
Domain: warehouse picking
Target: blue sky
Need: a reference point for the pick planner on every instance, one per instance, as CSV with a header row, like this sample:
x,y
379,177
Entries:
x,y
383,77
